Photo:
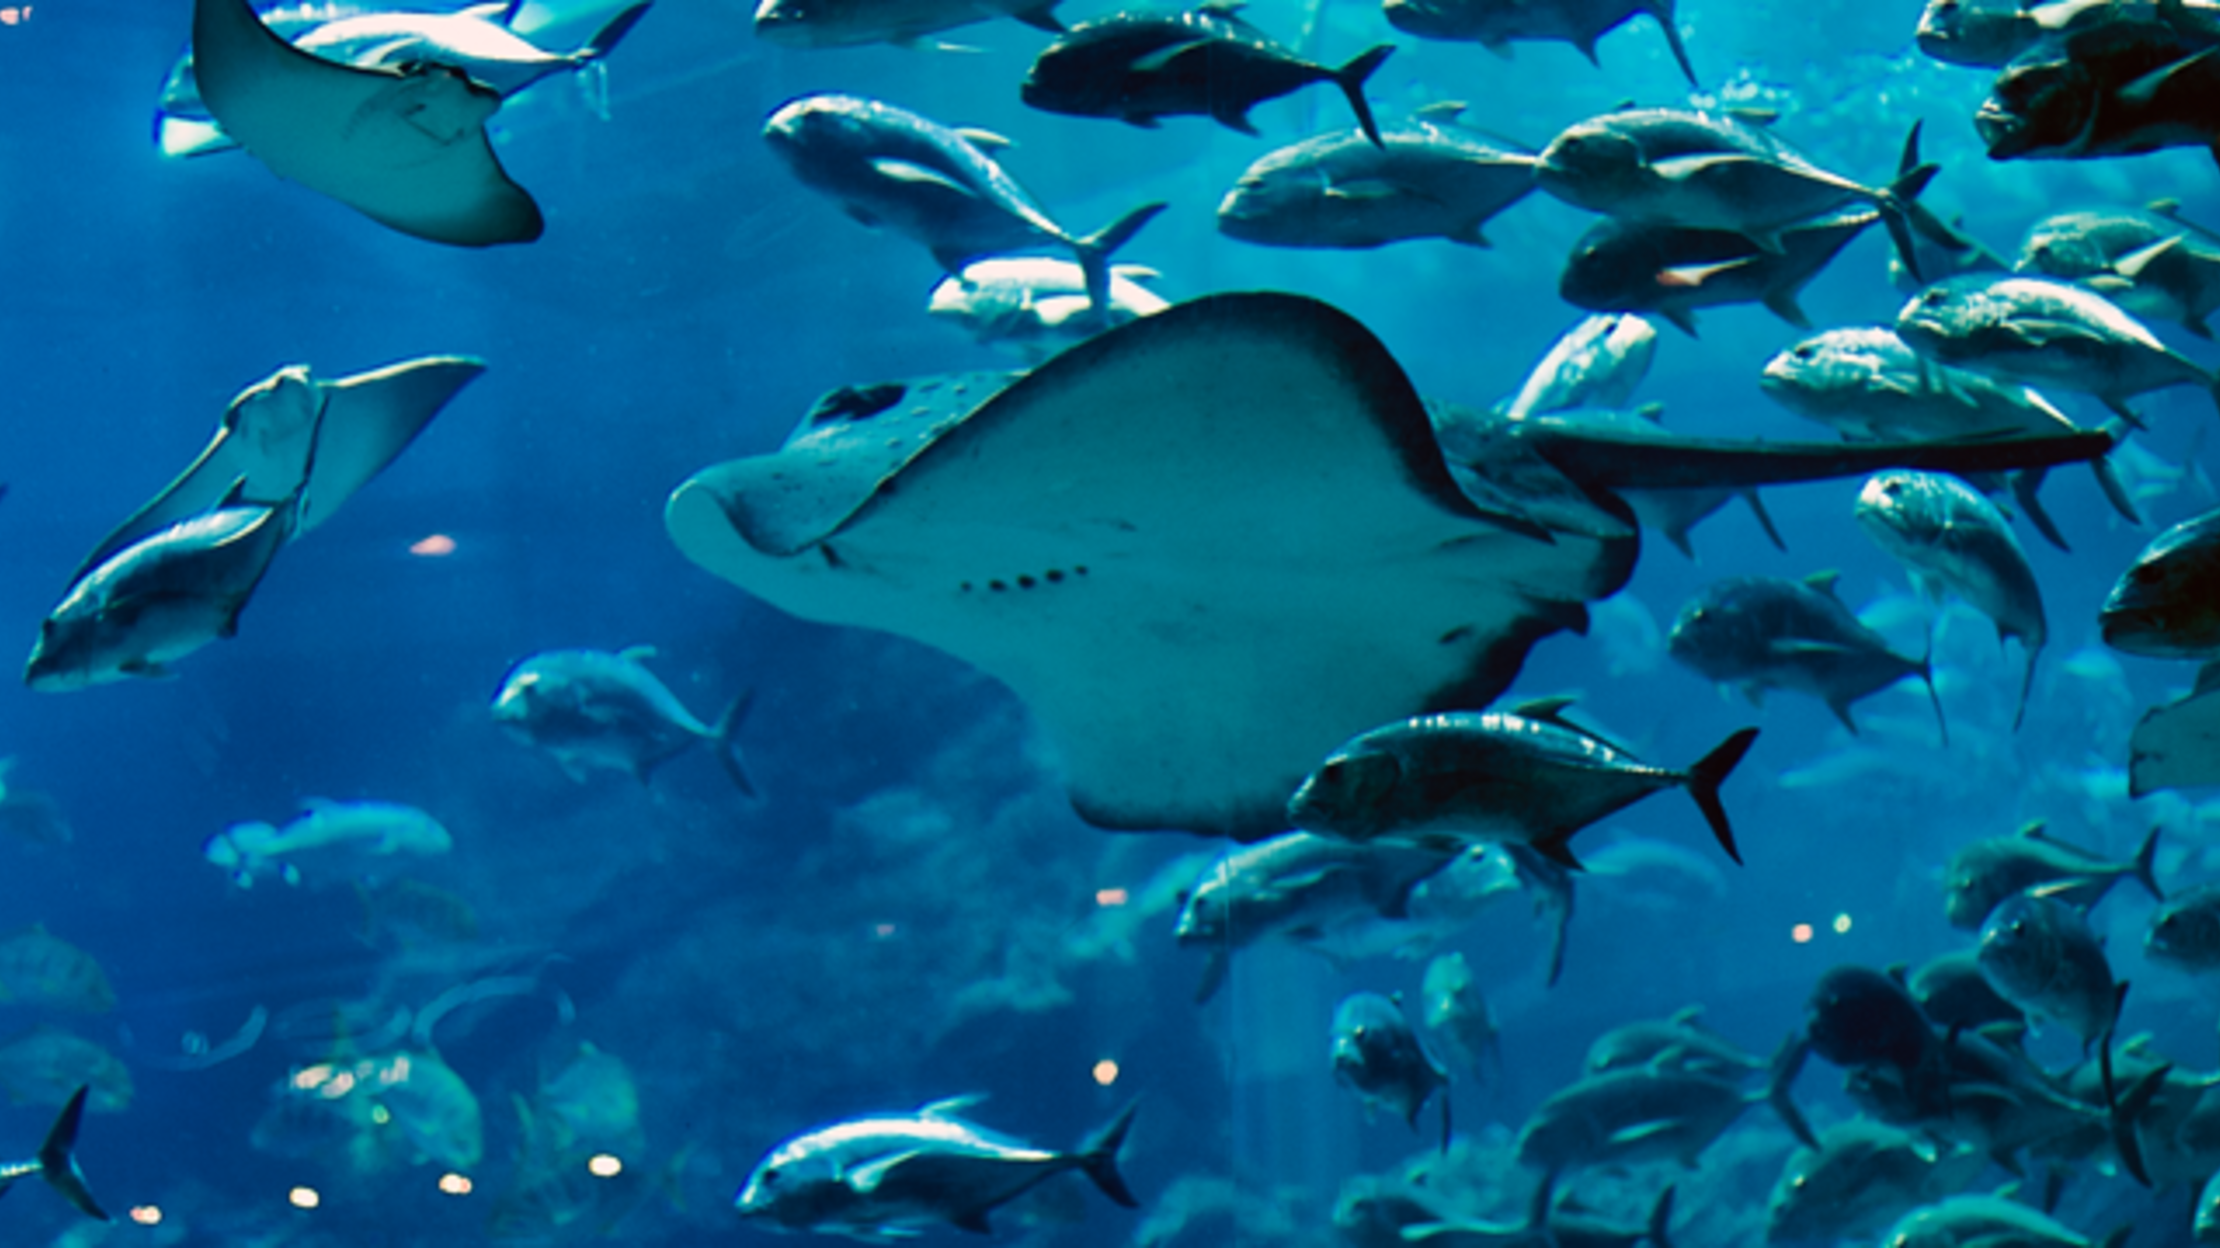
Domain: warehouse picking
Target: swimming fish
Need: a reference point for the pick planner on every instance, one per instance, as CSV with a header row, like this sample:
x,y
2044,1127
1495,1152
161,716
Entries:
x,y
1862,1177
327,835
591,709
847,23
2148,261
2036,331
38,968
2040,954
1954,539
1529,777
1981,875
1598,363
1429,178
1208,61
1377,1055
887,166
1456,1015
159,598
1036,306
893,1175
1716,171
2167,604
1672,270
1680,1042
2184,932
1497,24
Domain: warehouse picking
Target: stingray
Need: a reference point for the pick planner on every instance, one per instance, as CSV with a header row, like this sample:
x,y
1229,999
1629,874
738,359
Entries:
x,y
290,431
1208,546
405,147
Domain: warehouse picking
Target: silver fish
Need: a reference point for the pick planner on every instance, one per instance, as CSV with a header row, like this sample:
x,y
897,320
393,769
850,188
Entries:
x,y
593,709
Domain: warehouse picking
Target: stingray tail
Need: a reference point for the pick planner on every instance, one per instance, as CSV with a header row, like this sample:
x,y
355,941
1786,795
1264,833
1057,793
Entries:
x,y
57,1161
726,735
1098,1156
1094,251
1350,78
1708,774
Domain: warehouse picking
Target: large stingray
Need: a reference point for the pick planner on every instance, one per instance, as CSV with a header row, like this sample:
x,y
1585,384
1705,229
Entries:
x,y
406,148
1209,546
292,433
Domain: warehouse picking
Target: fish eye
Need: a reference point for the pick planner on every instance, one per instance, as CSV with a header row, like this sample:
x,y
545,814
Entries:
x,y
1805,352
1933,298
1333,772
769,1177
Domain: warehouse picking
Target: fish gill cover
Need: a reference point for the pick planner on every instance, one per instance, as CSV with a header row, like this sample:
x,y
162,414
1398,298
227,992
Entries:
x,y
406,837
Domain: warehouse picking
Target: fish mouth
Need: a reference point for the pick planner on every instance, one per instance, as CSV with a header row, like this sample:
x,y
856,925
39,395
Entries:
x,y
2005,133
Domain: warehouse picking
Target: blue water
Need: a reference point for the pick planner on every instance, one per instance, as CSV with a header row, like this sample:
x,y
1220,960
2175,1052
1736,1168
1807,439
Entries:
x,y
765,967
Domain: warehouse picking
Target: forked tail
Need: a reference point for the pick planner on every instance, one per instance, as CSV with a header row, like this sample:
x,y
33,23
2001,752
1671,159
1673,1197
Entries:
x,y
57,1161
1094,251
1098,1156
1350,78
1708,774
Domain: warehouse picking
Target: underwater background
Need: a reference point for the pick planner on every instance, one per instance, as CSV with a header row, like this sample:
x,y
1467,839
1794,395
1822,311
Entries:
x,y
911,911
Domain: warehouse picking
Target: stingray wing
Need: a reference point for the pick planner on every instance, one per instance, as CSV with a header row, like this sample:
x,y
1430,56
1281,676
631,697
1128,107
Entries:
x,y
369,419
1204,548
407,149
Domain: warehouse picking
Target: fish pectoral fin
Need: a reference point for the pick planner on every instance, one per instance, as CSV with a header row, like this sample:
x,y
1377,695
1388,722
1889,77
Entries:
x,y
2036,333
1154,62
1693,276
2145,88
1790,647
917,175
984,140
1375,190
1681,168
2131,265
1642,1131
865,1179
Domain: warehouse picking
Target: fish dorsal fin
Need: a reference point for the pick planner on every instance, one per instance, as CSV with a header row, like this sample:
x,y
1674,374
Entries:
x,y
1687,1016
2032,830
2208,678
1652,412
1549,711
1441,112
984,140
1824,582
951,1106
1222,8
637,654
865,1179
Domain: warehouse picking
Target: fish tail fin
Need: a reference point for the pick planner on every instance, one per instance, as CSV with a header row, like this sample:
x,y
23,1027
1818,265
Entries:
x,y
2124,1111
1094,251
610,35
1708,774
2144,864
727,735
1788,1063
2026,484
1902,212
1659,1227
58,1159
1098,1156
1926,673
1350,78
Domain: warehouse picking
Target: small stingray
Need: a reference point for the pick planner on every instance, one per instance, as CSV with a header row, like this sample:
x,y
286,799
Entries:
x,y
290,431
406,148
1208,546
